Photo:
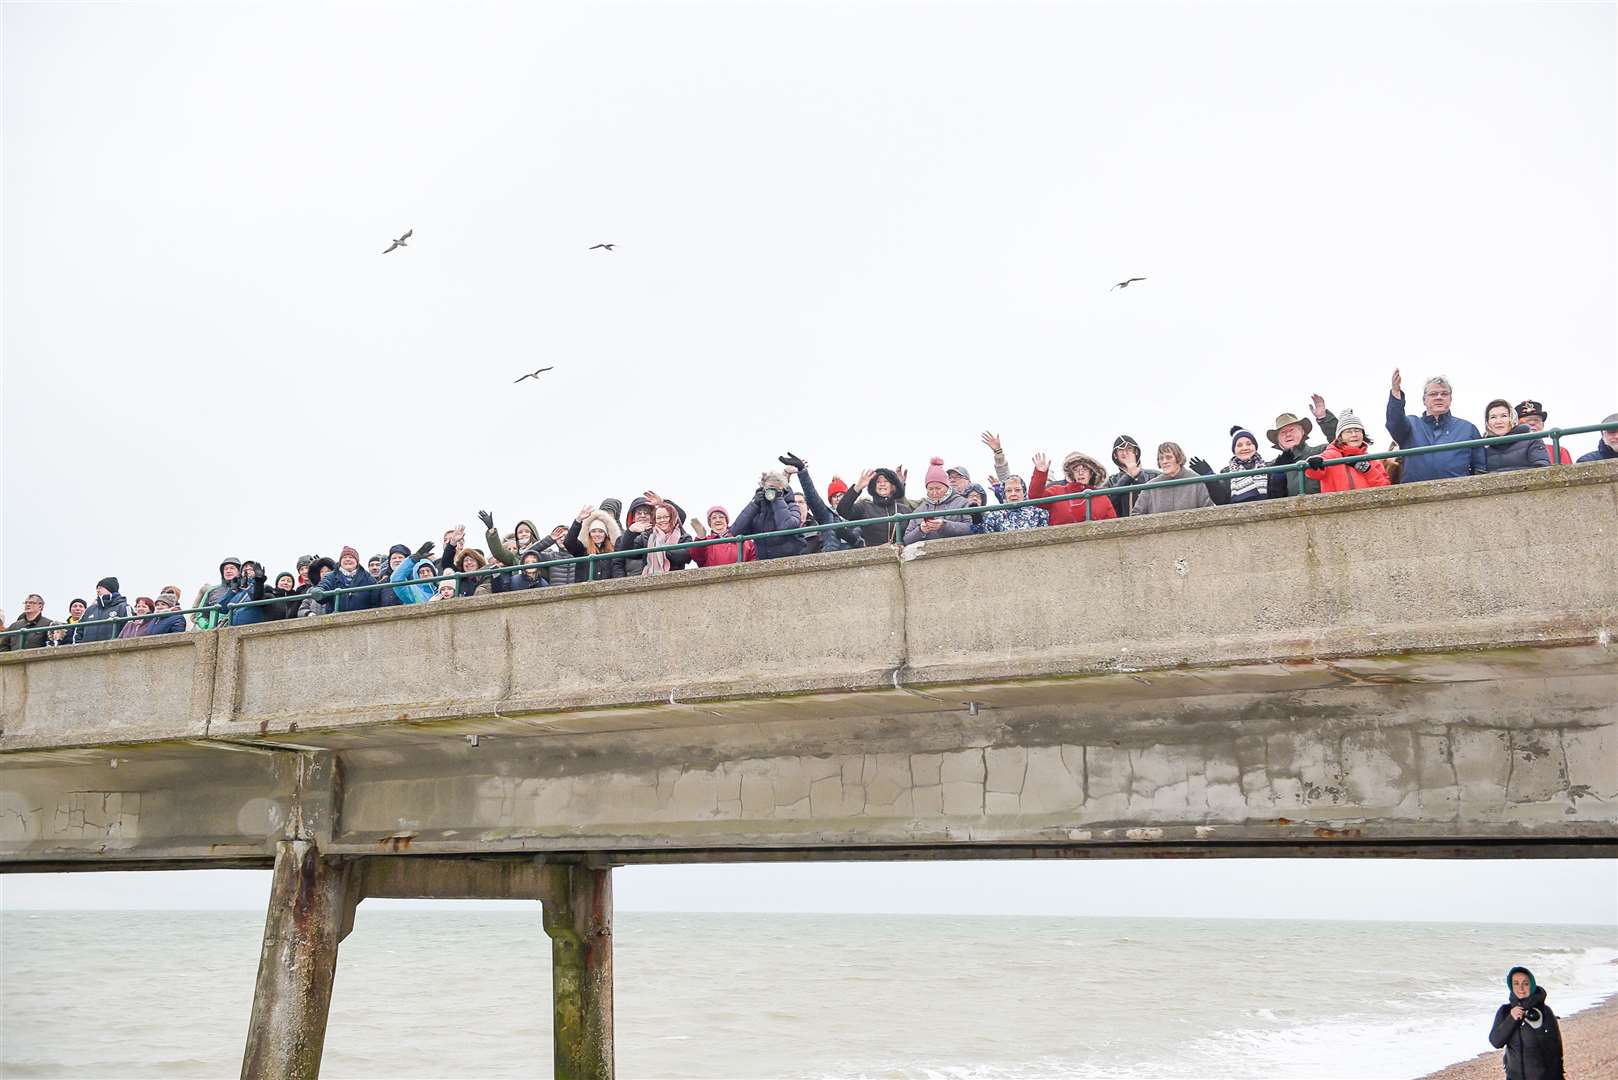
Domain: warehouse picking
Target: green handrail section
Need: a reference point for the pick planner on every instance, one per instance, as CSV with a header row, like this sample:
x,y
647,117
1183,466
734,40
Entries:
x,y
590,561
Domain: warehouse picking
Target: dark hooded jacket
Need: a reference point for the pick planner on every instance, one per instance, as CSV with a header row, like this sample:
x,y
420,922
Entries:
x,y
634,564
853,507
831,539
244,590
102,608
1533,1045
391,597
207,620
1124,501
1524,454
763,515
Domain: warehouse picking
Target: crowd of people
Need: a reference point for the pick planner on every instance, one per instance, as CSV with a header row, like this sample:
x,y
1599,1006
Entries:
x,y
655,535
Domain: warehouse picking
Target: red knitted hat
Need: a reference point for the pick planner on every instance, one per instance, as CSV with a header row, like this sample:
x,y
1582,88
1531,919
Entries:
x,y
835,489
936,473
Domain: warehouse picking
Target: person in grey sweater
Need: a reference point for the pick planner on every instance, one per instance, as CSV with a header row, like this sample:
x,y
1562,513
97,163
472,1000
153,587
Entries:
x,y
1171,466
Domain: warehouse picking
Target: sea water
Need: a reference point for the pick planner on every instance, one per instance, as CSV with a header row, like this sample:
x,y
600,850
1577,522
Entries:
x,y
459,992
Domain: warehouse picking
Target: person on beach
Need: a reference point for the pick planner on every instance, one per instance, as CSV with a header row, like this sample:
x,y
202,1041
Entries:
x,y
1526,1029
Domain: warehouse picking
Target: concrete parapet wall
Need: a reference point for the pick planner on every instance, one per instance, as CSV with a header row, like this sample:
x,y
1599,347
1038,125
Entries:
x,y
1528,557
1432,664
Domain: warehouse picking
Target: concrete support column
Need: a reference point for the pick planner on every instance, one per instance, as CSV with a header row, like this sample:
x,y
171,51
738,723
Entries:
x,y
578,918
311,908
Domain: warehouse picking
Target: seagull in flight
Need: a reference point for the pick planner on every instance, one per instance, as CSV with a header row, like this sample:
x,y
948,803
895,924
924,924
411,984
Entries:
x,y
1126,284
603,247
534,374
399,243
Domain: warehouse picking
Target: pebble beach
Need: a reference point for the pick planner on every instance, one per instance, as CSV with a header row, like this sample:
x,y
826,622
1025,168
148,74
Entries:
x,y
1589,1048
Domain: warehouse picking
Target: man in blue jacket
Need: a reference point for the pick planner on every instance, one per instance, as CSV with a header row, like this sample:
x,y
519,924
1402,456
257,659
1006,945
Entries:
x,y
1607,448
1436,426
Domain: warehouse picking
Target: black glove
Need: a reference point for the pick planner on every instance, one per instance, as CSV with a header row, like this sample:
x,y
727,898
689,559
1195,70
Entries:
x,y
423,551
1362,466
1200,466
789,458
1316,462
487,518
1285,457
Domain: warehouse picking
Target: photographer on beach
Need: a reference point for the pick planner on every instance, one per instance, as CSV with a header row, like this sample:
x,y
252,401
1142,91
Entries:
x,y
1526,1028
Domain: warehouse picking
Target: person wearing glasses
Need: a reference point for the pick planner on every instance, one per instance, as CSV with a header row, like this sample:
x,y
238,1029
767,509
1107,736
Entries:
x,y
33,615
1436,426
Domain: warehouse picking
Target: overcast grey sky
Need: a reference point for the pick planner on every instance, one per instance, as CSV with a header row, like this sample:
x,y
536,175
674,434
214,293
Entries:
x,y
861,232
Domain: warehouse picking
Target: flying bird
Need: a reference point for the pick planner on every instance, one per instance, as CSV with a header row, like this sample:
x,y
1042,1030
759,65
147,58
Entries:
x,y
1126,284
603,247
533,374
399,243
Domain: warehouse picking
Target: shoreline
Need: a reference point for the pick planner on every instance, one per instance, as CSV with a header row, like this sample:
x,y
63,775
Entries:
x,y
1589,1045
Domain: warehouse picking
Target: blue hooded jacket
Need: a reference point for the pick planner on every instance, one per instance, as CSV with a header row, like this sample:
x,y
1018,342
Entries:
x,y
415,593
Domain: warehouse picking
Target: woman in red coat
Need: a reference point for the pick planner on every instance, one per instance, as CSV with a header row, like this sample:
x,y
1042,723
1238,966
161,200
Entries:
x,y
1350,442
1084,473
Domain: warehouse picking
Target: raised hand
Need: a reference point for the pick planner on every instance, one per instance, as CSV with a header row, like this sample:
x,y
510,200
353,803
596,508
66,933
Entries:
x,y
424,551
991,440
584,513
1398,387
904,474
698,531
652,497
1319,404
1042,462
558,533
865,479
487,519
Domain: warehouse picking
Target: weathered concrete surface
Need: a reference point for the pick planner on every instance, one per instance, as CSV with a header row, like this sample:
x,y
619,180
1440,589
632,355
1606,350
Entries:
x,y
312,909
309,903
1429,666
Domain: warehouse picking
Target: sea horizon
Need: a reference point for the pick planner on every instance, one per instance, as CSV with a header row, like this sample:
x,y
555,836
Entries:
x,y
442,991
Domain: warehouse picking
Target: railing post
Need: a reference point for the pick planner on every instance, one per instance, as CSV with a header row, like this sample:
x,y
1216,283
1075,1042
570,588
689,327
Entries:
x,y
1556,446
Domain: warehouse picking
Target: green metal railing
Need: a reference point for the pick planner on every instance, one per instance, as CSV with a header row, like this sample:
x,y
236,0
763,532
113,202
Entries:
x,y
590,561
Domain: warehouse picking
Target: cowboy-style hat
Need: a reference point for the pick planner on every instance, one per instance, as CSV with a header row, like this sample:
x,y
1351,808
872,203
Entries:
x,y
1286,419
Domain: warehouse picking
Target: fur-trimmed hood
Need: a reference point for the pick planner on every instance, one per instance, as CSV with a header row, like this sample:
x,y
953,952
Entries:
x,y
606,521
1098,472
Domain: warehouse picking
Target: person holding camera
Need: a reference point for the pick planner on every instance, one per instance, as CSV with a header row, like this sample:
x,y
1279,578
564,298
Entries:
x,y
772,509
1526,1029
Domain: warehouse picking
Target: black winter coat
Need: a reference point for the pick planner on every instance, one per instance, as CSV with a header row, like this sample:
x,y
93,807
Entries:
x,y
633,541
853,508
111,606
1533,1052
604,568
1509,457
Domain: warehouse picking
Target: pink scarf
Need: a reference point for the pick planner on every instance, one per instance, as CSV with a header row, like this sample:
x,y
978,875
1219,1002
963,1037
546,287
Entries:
x,y
657,562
